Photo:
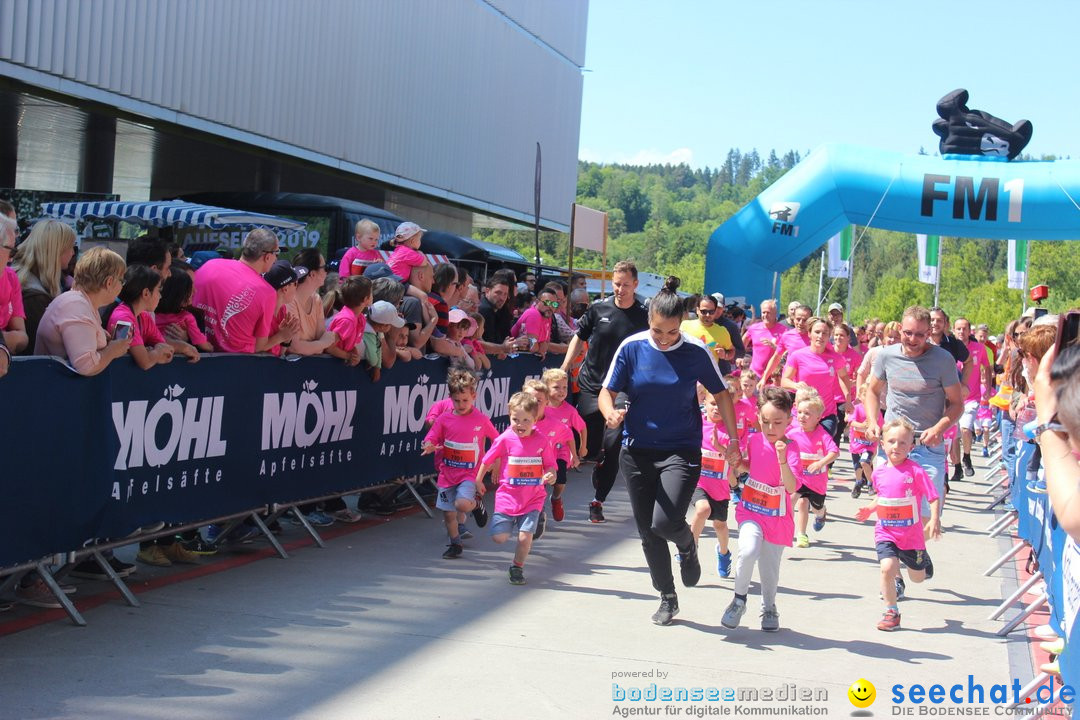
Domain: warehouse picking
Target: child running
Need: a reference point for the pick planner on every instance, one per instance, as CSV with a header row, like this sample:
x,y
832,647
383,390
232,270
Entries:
x,y
457,439
764,514
527,464
816,452
711,496
900,536
746,411
558,435
563,412
863,451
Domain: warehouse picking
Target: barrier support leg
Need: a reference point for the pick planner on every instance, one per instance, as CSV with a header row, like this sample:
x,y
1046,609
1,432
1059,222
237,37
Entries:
x,y
1035,605
103,563
1016,595
1005,526
60,595
1005,558
990,490
1043,708
295,512
998,522
409,483
269,535
1000,499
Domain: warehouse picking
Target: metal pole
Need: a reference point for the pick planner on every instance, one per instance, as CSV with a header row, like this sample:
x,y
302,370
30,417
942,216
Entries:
x,y
536,203
937,277
1027,259
850,278
775,279
820,283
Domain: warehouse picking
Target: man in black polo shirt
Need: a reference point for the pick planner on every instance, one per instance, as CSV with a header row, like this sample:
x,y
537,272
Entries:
x,y
497,323
604,326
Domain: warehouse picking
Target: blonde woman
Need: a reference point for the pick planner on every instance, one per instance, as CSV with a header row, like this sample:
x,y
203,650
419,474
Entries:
x,y
40,262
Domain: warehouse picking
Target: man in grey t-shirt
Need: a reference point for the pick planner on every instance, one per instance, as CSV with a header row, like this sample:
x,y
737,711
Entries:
x,y
923,387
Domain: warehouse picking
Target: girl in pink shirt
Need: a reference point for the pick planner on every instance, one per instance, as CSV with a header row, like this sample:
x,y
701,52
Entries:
x,y
561,438
348,324
138,299
363,252
900,535
407,258
713,493
816,452
173,316
475,343
862,450
526,464
563,412
764,512
746,412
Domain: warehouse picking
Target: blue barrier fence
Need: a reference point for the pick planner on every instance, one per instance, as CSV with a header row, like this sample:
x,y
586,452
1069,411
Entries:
x,y
99,457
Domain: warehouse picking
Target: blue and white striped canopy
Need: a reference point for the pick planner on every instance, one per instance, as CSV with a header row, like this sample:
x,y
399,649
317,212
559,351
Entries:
x,y
166,213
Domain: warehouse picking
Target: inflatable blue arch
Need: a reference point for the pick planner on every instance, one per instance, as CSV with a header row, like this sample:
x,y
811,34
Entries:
x,y
840,185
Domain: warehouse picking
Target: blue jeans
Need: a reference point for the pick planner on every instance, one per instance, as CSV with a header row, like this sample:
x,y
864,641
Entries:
x,y
932,460
1008,446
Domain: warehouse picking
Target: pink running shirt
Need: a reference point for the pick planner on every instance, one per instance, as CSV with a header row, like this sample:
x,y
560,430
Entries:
x,y
900,491
764,499
237,304
525,460
462,440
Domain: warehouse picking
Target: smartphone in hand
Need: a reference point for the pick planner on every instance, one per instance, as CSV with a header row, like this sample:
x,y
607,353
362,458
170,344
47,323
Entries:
x,y
122,330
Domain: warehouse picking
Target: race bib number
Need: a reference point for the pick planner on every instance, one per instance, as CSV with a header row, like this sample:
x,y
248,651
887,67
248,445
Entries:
x,y
808,459
524,470
768,500
858,435
897,512
713,464
460,455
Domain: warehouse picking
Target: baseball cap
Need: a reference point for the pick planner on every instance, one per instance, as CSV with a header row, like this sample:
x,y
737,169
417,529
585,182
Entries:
x,y
719,298
384,313
280,275
458,315
406,230
837,307
374,271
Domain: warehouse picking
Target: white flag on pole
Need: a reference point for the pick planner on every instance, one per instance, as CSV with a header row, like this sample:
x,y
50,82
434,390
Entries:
x,y
840,253
1018,264
928,258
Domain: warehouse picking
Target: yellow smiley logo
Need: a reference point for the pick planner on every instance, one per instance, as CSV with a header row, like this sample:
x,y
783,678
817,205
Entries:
x,y
862,693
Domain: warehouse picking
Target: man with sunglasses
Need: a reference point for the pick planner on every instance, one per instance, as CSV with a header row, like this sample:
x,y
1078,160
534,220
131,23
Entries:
x,y
716,337
238,303
536,322
923,386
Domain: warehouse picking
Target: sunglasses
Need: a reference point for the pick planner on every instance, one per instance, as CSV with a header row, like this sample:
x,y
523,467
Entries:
x,y
551,303
706,312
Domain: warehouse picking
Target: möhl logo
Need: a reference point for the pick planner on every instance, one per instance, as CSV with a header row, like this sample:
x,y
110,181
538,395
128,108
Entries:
x,y
192,432
306,418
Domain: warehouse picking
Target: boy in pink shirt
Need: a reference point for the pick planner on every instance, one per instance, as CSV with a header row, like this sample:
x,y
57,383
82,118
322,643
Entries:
x,y
560,437
457,439
526,464
712,494
348,324
363,252
816,452
900,535
862,450
746,412
563,412
764,512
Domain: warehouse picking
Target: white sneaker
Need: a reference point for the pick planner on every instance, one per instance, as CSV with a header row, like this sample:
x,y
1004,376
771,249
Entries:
x,y
733,614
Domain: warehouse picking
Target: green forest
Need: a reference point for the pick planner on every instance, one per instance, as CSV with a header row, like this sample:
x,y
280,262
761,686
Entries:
x,y
661,216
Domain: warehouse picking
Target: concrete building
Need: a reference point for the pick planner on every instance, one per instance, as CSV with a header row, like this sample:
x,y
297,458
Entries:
x,y
429,108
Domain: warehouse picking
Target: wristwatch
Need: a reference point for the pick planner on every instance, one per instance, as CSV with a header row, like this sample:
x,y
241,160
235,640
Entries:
x,y
1051,426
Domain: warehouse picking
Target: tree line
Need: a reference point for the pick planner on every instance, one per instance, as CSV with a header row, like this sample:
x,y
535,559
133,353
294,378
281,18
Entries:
x,y
661,216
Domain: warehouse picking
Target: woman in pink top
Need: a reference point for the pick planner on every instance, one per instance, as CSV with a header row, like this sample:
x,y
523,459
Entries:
x,y
852,358
138,299
71,327
764,511
820,367
12,314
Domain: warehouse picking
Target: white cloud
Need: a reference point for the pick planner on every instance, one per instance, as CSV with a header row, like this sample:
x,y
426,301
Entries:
x,y
641,157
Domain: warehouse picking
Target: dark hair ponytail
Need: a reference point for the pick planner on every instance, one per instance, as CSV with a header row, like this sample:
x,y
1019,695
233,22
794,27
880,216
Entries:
x,y
136,279
175,291
667,303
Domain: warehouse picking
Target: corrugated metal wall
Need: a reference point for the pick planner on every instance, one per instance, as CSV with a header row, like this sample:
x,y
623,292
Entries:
x,y
448,96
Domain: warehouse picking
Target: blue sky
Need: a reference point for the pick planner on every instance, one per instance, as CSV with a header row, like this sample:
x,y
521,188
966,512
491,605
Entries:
x,y
685,80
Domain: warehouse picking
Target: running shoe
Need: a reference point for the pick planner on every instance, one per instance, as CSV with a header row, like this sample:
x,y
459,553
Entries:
x,y
1037,486
200,547
453,550
177,553
986,451
596,512
958,474
968,469
819,522
669,608
154,555
1053,647
464,533
770,619
558,512
802,540
723,563
689,567
319,519
856,489
541,525
929,566
517,575
889,621
898,582
480,513
733,614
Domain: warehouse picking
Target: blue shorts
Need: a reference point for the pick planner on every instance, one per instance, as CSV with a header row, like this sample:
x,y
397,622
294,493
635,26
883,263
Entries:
x,y
448,496
502,523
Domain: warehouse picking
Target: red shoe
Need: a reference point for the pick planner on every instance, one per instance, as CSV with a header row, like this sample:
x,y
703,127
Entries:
x,y
889,621
557,511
